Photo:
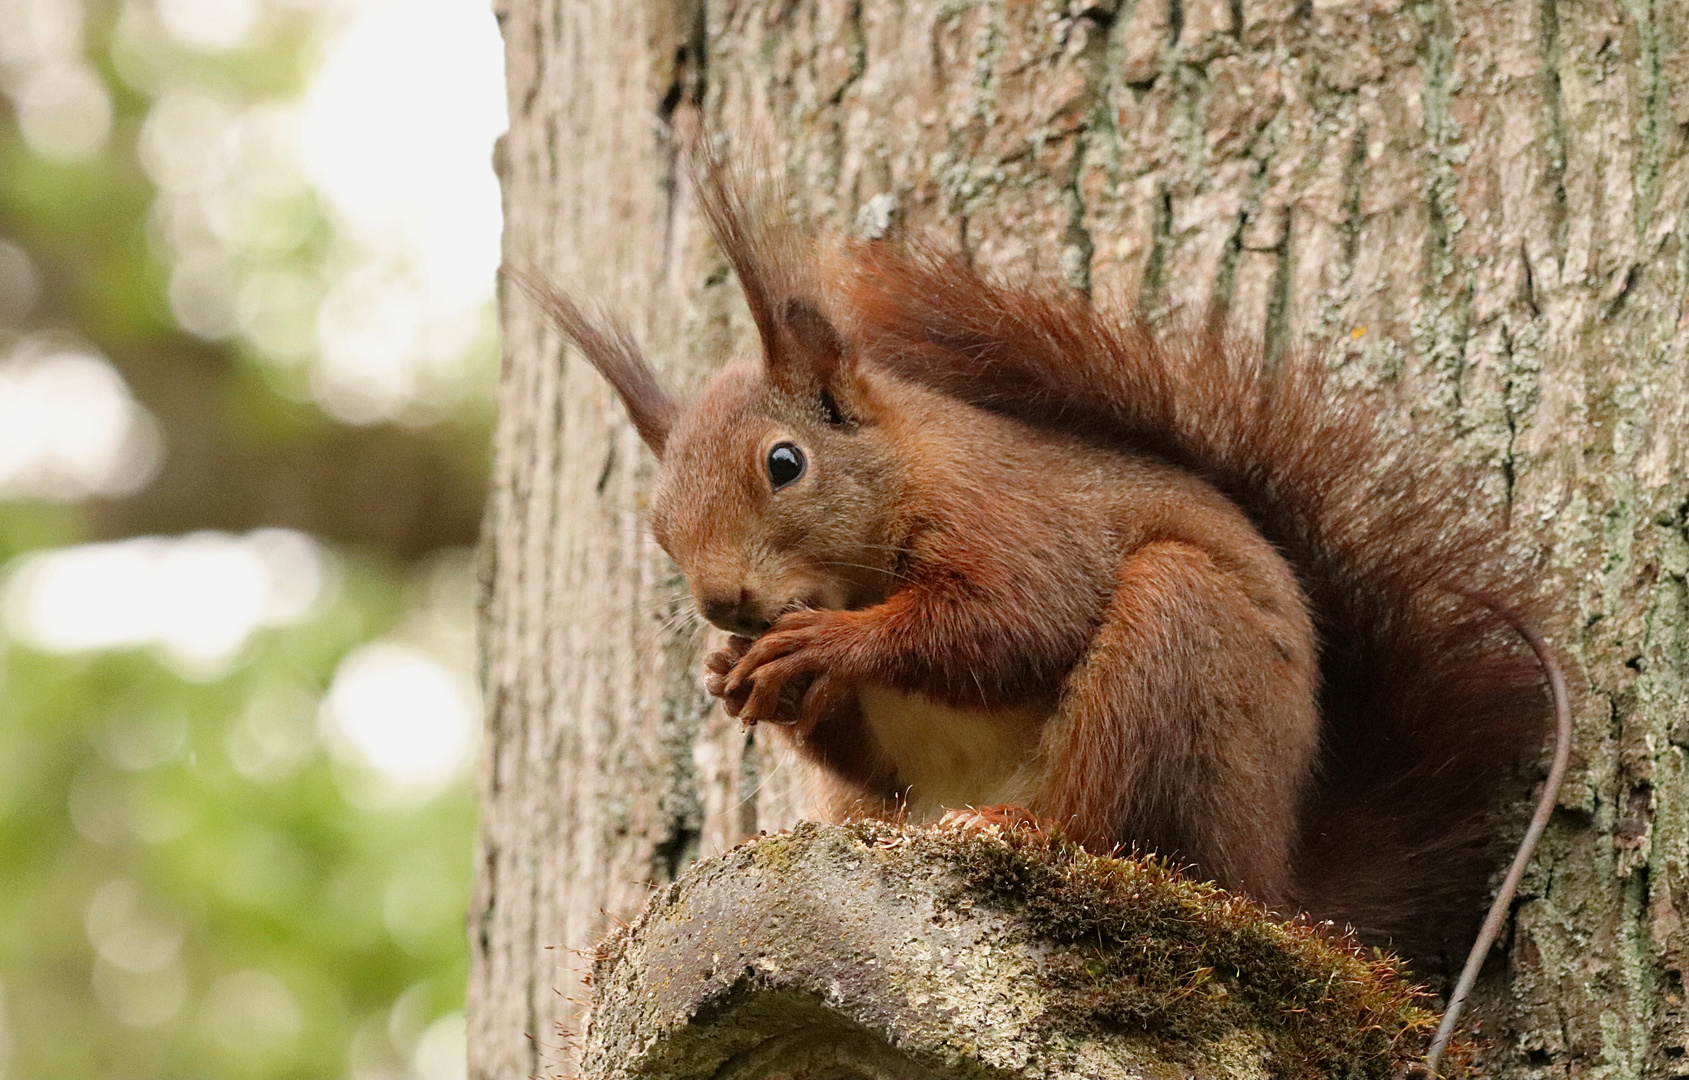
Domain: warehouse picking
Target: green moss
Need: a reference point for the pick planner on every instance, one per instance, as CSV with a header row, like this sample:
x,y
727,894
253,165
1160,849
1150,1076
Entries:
x,y
1136,947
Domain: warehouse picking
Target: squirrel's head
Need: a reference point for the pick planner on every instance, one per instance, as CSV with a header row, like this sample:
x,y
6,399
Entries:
x,y
776,488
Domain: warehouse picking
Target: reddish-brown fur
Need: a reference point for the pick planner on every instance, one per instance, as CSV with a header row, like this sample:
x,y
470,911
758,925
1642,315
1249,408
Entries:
x,y
1172,597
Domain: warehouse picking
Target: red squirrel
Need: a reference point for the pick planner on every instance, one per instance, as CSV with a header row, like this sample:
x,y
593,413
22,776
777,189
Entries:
x,y
981,544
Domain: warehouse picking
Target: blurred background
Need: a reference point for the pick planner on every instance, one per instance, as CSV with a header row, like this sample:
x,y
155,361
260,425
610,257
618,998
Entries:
x,y
247,350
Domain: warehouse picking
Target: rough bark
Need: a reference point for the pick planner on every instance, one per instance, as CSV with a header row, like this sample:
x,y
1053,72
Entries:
x,y
1478,207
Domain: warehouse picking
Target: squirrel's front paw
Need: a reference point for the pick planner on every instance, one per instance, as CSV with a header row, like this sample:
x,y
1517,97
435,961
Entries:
x,y
718,664
767,681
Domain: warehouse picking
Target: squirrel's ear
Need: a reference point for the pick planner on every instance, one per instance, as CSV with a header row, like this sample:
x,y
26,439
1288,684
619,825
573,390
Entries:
x,y
809,355
610,349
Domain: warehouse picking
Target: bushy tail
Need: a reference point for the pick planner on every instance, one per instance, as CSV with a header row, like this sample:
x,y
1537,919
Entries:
x,y
1430,701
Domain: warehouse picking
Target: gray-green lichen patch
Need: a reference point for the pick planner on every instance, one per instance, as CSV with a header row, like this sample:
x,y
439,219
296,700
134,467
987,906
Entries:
x,y
876,951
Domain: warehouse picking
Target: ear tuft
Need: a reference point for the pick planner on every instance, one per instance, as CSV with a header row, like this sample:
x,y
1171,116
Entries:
x,y
610,349
811,336
748,229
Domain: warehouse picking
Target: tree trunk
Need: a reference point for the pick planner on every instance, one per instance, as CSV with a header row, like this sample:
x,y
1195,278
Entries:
x,y
1478,208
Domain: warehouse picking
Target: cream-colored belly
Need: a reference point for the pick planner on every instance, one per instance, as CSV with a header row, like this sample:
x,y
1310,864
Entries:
x,y
948,758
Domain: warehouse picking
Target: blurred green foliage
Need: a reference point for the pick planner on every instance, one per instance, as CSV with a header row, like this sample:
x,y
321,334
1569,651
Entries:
x,y
114,769
174,903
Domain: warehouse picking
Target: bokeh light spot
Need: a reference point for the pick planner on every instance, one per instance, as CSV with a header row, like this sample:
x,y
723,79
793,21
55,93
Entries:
x,y
69,427
252,1013
188,141
442,1052
124,933
137,743
274,735
208,24
399,712
64,112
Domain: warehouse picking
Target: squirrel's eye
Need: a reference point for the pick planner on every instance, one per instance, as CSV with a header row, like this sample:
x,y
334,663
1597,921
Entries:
x,y
785,464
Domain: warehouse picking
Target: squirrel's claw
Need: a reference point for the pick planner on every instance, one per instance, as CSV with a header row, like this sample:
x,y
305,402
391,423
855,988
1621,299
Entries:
x,y
767,686
717,665
1002,816
721,661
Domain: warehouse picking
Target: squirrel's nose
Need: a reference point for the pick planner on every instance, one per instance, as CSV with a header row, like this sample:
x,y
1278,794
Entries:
x,y
739,614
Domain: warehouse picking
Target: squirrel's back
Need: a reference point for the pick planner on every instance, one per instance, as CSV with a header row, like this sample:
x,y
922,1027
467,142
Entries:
x,y
1429,701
